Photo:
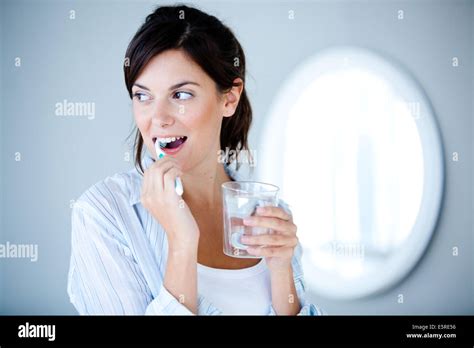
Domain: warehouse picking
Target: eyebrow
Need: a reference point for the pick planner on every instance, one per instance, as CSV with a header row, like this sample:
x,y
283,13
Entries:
x,y
180,84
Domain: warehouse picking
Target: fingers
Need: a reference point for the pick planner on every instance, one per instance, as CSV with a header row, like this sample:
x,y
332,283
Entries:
x,y
270,240
280,252
170,177
155,175
237,221
274,212
276,224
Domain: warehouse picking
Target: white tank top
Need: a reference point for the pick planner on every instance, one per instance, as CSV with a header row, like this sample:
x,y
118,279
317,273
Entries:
x,y
237,291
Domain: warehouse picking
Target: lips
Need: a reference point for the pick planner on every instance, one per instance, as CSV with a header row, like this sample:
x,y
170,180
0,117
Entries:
x,y
170,146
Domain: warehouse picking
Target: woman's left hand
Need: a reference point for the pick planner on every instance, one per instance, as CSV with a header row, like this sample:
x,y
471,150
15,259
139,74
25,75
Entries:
x,y
277,247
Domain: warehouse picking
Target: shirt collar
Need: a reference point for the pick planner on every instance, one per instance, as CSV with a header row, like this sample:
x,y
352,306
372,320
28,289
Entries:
x,y
148,160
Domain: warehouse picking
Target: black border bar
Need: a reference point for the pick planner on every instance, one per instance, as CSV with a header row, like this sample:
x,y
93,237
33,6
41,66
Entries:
x,y
228,330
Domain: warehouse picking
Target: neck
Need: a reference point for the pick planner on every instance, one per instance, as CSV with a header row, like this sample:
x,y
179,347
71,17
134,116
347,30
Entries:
x,y
202,184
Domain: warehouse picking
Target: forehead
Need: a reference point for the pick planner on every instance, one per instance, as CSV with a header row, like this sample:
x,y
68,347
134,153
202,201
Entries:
x,y
171,67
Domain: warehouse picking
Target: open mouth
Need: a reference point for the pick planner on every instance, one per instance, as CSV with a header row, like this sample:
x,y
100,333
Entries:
x,y
171,143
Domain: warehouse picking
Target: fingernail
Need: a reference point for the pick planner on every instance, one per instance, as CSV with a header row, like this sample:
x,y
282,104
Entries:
x,y
260,209
248,221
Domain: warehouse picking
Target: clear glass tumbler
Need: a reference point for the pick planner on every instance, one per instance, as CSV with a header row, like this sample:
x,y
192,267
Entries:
x,y
241,199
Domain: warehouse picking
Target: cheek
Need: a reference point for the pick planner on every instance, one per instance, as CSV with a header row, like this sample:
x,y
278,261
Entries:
x,y
143,123
142,119
204,118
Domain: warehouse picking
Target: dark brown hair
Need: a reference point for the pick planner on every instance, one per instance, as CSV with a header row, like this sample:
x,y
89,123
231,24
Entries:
x,y
209,43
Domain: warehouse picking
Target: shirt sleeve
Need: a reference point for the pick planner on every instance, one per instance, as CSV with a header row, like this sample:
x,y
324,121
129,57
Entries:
x,y
105,279
166,303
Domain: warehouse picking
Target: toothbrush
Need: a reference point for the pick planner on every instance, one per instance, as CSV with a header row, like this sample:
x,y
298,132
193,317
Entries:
x,y
178,184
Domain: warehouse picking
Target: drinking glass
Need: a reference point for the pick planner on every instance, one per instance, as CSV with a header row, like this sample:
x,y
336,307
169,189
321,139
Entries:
x,y
240,200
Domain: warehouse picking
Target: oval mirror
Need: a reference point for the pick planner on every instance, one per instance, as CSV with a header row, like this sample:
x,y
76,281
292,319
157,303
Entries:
x,y
353,144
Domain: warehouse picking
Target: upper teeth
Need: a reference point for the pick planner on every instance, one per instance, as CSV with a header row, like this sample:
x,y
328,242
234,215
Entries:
x,y
168,140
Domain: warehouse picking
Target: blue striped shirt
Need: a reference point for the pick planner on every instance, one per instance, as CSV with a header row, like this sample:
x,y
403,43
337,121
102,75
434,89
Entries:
x,y
119,254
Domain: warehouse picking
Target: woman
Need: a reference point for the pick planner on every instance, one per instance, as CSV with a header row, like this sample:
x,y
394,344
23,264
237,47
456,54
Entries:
x,y
138,247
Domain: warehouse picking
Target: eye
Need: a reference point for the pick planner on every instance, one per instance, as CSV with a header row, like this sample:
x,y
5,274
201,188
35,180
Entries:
x,y
183,95
141,96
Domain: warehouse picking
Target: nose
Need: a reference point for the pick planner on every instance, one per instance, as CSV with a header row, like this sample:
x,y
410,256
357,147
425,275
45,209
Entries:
x,y
162,117
160,122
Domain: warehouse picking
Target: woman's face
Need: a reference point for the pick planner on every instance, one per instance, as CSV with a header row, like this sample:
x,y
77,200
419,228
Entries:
x,y
174,97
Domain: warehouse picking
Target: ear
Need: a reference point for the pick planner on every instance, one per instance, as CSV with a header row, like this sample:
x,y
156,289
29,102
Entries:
x,y
232,97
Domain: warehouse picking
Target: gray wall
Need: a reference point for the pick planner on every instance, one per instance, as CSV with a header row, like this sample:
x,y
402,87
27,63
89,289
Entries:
x,y
81,60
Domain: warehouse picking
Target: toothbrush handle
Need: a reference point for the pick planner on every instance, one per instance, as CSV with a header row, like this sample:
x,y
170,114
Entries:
x,y
178,186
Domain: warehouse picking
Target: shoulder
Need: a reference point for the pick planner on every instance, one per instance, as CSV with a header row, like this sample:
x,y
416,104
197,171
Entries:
x,y
112,193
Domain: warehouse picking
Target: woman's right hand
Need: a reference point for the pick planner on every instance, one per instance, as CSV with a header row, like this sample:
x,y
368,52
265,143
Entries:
x,y
159,197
